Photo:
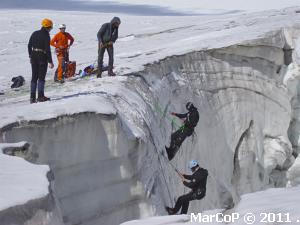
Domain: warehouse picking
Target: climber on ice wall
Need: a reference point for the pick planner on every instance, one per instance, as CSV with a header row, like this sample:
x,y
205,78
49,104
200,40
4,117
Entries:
x,y
191,119
196,182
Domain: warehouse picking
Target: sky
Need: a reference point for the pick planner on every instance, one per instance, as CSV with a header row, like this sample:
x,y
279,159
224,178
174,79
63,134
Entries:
x,y
88,5
195,5
153,7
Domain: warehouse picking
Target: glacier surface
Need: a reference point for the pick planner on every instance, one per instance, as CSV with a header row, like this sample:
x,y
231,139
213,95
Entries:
x,y
103,139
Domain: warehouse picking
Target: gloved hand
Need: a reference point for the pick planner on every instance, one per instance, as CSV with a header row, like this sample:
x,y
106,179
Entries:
x,y
51,65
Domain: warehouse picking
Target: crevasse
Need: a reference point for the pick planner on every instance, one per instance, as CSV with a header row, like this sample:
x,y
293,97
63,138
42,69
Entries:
x,y
107,169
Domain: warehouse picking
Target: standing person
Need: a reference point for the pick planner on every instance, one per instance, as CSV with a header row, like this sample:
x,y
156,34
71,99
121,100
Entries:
x,y
107,36
196,182
191,119
61,43
40,56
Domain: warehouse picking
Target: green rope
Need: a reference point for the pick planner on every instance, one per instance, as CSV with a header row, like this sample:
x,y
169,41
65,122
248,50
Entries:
x,y
163,113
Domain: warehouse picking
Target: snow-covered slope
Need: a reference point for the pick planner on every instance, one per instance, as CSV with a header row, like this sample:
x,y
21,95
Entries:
x,y
102,138
142,39
273,206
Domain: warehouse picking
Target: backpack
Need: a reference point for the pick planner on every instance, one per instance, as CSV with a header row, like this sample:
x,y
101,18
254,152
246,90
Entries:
x,y
193,118
17,82
70,69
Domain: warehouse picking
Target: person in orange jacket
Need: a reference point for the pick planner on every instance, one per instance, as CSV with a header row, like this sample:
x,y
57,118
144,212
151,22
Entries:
x,y
62,41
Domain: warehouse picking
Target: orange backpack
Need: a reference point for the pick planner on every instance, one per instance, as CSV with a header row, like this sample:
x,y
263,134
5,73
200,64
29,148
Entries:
x,y
70,69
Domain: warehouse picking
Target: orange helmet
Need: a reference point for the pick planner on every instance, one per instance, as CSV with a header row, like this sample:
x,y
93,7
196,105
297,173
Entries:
x,y
47,23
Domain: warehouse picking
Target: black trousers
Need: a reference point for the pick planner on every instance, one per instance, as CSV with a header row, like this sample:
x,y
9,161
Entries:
x,y
177,138
39,70
184,201
110,51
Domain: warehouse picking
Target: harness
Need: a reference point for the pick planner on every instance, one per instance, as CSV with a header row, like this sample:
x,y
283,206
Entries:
x,y
39,50
107,45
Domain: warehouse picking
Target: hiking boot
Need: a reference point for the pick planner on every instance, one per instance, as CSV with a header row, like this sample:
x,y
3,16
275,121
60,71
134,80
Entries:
x,y
171,152
32,100
170,210
43,99
99,74
111,73
59,81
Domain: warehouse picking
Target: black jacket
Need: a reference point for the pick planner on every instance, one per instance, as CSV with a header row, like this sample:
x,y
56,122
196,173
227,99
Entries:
x,y
197,180
40,39
107,32
191,117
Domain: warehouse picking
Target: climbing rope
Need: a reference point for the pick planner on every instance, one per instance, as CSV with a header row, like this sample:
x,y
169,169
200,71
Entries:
x,y
159,110
152,140
156,149
169,162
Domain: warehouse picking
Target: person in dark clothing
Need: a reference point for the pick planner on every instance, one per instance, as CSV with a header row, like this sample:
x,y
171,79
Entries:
x,y
191,119
107,36
196,182
40,55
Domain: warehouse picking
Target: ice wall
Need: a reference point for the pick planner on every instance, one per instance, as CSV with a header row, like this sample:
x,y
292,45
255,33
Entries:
x,y
93,165
108,169
239,93
292,79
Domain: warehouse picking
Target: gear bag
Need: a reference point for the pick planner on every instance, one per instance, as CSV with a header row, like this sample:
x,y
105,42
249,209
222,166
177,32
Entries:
x,y
17,81
70,69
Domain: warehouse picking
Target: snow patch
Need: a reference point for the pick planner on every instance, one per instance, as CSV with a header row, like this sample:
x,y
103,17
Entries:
x,y
276,152
292,73
272,201
293,174
55,108
20,180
